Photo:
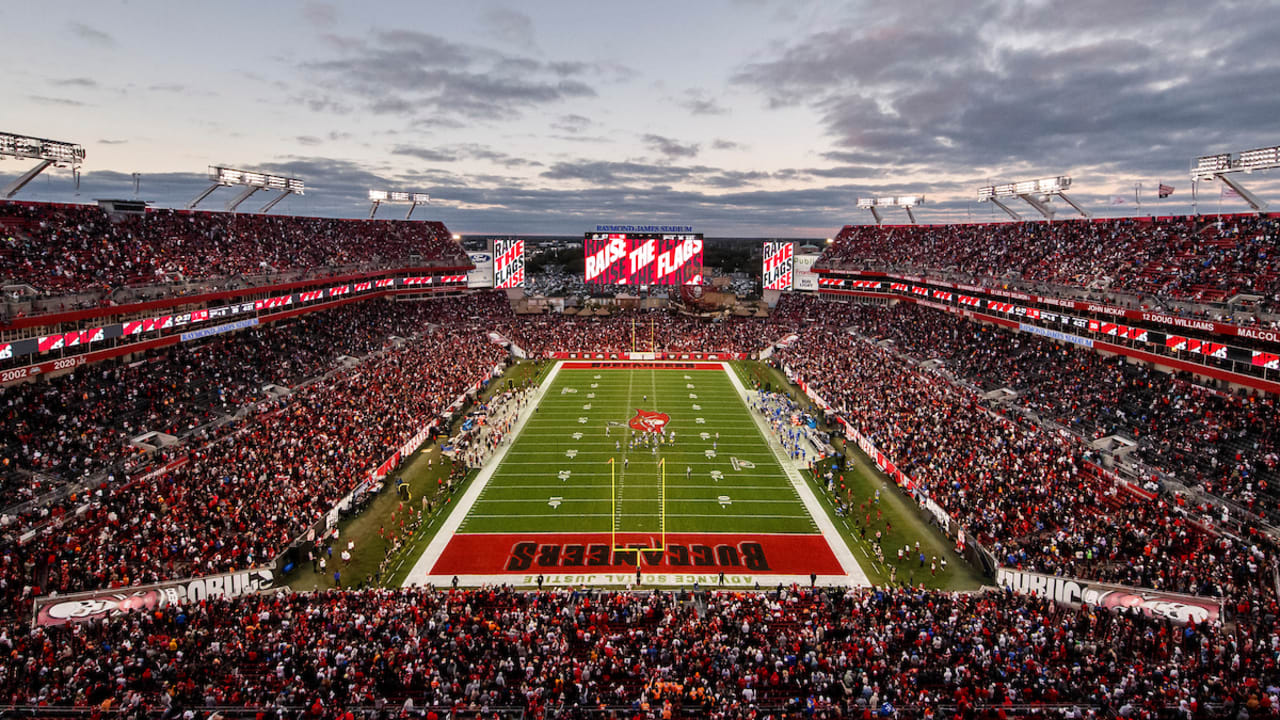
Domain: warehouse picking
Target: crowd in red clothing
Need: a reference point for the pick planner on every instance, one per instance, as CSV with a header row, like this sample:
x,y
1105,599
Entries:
x,y
71,248
1202,259
248,490
658,330
75,425
1221,440
795,653
1019,489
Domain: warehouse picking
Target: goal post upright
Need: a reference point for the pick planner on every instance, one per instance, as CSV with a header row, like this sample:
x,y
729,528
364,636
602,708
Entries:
x,y
662,505
613,507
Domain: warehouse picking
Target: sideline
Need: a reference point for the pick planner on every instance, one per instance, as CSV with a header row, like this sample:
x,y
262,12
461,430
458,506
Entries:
x,y
854,574
422,568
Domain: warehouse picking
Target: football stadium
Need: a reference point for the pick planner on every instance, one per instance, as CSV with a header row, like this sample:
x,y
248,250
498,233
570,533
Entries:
x,y
481,362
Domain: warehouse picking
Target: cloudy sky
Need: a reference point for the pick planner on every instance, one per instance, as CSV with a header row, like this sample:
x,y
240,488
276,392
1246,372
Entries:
x,y
741,117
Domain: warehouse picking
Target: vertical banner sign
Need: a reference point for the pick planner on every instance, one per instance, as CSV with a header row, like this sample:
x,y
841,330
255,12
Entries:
x,y
779,262
508,263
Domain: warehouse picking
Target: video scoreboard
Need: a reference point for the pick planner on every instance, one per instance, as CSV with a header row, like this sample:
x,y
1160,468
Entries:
x,y
643,258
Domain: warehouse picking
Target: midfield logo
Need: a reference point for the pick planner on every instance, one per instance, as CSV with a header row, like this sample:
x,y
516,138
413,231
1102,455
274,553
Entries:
x,y
648,421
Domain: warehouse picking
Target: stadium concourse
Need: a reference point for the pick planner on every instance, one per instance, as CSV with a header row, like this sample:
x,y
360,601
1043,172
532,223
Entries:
x,y
274,424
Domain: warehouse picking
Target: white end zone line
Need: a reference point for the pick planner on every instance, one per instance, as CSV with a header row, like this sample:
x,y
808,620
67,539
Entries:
x,y
422,568
854,574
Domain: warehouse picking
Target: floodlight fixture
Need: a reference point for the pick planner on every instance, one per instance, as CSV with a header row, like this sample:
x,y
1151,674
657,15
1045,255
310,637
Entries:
x,y
252,182
906,202
1260,159
1209,165
1223,165
1036,193
413,199
46,153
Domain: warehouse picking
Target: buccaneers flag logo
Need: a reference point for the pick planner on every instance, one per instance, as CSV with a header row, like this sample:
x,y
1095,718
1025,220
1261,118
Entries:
x,y
646,421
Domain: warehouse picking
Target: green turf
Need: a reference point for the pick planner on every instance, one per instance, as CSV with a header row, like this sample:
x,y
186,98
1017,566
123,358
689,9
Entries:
x,y
549,433
530,492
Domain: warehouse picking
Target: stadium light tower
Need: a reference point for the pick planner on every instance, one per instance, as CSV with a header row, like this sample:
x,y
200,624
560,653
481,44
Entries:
x,y
377,197
1035,193
906,202
1222,166
252,182
44,152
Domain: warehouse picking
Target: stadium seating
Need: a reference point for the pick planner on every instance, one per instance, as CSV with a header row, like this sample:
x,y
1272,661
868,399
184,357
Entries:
x,y
250,485
1198,259
254,485
1020,489
579,654
79,248
662,331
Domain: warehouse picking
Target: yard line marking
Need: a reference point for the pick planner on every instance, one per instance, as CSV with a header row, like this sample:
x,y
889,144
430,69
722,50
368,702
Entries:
x,y
749,516
537,501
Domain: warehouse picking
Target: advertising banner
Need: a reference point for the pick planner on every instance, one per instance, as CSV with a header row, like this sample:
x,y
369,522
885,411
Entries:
x,y
806,279
481,276
1074,592
102,604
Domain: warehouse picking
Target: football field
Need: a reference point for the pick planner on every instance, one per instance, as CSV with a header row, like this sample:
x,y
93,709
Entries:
x,y
620,466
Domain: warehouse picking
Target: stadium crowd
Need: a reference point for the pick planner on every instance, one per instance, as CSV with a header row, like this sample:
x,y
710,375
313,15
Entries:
x,y
827,653
77,424
1023,491
244,493
1201,259
1019,489
75,248
639,330
1222,441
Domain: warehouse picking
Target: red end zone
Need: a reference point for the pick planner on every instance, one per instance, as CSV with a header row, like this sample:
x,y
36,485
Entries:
x,y
642,364
519,553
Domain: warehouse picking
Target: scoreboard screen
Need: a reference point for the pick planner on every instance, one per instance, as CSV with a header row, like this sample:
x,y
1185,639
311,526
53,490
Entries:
x,y
643,259
508,263
779,265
